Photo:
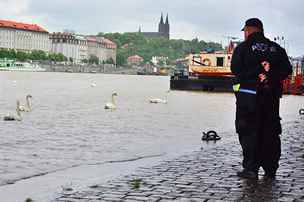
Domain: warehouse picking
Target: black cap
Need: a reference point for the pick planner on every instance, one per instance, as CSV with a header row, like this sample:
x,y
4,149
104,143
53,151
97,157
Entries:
x,y
253,22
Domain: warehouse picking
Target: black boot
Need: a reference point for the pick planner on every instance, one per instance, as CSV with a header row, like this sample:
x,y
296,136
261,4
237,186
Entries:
x,y
269,176
248,174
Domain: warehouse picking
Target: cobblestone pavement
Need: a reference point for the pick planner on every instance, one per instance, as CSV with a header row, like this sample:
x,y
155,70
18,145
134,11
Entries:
x,y
207,175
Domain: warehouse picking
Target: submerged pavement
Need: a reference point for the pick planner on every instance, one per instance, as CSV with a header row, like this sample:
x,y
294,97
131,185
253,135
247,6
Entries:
x,y
207,175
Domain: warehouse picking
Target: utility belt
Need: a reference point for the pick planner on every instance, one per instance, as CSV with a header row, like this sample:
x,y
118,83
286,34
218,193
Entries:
x,y
245,97
238,89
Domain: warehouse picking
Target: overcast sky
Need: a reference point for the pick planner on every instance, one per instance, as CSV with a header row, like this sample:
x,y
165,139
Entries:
x,y
209,20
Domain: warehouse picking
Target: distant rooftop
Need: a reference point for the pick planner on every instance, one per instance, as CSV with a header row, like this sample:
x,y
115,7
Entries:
x,y
90,38
135,57
22,26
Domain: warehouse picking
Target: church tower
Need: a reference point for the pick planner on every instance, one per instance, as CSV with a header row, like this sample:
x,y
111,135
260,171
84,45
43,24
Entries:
x,y
164,28
167,28
161,25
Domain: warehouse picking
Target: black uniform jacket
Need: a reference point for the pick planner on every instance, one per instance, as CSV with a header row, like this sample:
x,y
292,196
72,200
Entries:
x,y
246,63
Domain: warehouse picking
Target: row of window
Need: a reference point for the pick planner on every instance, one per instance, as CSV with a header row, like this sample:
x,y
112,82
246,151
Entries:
x,y
70,41
24,40
24,34
97,45
25,46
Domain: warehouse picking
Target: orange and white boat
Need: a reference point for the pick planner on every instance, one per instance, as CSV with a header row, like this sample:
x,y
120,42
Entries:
x,y
210,64
207,71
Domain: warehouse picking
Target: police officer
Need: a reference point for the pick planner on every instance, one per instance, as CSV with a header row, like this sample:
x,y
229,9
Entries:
x,y
259,66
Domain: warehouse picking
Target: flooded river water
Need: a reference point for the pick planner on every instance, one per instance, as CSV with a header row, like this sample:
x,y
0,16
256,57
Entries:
x,y
69,127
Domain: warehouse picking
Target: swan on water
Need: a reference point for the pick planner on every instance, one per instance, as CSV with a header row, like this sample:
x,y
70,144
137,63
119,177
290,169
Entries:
x,y
12,117
14,83
111,105
159,100
93,84
28,106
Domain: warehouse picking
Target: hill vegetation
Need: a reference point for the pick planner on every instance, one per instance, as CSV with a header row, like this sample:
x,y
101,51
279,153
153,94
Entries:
x,y
136,43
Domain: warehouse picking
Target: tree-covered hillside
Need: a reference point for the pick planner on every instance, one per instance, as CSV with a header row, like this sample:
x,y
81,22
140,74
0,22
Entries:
x,y
135,43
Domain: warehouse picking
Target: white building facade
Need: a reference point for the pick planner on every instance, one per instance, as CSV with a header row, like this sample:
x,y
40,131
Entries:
x,y
70,45
80,48
23,37
101,47
108,49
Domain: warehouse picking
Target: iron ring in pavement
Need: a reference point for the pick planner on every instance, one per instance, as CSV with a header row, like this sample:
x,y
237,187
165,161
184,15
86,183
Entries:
x,y
210,135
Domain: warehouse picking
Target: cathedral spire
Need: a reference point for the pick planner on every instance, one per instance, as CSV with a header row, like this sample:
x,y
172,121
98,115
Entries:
x,y
161,19
167,19
161,25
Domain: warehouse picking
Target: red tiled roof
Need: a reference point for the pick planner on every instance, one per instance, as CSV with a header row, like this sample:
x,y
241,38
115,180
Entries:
x,y
91,39
22,26
106,42
109,42
135,57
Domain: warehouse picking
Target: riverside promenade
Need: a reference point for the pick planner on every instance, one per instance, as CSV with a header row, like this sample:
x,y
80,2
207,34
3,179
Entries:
x,y
207,175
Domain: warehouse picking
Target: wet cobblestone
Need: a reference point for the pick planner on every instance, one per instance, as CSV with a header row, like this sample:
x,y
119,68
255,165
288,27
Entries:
x,y
208,175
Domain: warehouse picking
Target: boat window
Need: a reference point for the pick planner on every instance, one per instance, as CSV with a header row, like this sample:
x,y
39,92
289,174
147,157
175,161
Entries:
x,y
220,61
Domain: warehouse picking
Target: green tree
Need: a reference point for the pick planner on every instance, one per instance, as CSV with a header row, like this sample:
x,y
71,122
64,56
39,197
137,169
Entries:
x,y
22,56
121,57
85,61
38,55
136,43
109,61
93,59
11,54
52,56
4,53
60,57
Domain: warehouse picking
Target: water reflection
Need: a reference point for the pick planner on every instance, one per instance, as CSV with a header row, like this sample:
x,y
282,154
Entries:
x,y
260,190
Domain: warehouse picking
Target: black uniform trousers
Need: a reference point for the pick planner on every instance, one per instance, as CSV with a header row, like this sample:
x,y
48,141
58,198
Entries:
x,y
259,128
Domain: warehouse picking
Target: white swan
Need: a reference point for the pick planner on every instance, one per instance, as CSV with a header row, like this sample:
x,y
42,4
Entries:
x,y
93,84
11,117
28,106
111,105
159,100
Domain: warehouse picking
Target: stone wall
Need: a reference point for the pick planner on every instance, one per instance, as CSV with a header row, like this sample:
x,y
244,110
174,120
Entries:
x,y
104,68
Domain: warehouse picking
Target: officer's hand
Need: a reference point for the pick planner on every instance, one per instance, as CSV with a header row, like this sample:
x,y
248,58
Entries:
x,y
266,65
262,77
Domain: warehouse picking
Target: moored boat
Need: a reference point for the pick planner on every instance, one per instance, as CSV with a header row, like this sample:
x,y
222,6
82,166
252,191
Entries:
x,y
12,65
211,72
205,71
